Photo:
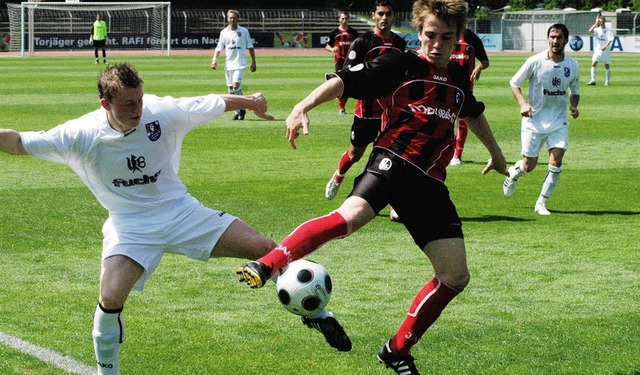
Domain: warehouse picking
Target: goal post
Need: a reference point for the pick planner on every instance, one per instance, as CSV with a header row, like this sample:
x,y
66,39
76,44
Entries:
x,y
66,26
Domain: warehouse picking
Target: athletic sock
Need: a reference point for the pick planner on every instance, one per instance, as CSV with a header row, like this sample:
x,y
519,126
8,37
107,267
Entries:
x,y
550,182
461,138
593,73
306,238
108,334
344,165
608,74
342,103
425,309
520,171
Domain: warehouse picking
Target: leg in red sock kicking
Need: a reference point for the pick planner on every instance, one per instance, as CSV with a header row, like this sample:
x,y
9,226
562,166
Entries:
x,y
354,213
449,261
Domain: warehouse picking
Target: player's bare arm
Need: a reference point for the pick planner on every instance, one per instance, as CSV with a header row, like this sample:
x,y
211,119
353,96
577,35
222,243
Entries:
x,y
256,102
480,127
573,105
10,142
253,60
298,117
526,110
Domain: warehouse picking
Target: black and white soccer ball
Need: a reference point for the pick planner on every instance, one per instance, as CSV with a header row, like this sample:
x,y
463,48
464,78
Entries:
x,y
304,287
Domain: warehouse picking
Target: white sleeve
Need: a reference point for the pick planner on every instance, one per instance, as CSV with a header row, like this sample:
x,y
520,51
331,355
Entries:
x,y
522,74
220,45
190,112
57,144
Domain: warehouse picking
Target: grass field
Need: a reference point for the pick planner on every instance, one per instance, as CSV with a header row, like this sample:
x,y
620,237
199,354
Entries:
x,y
548,295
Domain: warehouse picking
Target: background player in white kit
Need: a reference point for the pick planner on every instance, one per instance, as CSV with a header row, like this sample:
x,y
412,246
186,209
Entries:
x,y
128,154
235,40
553,77
603,36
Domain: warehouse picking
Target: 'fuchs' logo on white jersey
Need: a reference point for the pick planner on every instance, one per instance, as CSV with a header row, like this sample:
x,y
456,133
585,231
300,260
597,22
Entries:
x,y
153,130
385,164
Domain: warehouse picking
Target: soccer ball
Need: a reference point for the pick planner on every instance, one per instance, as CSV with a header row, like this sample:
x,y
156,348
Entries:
x,y
304,287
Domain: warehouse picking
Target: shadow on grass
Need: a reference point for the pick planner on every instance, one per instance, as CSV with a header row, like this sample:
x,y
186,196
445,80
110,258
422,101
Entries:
x,y
633,372
598,213
492,218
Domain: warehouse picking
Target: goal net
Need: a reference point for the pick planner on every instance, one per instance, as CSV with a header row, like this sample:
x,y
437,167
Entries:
x,y
66,26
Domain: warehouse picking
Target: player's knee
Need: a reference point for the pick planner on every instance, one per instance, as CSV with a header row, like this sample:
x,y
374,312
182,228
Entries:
x,y
111,300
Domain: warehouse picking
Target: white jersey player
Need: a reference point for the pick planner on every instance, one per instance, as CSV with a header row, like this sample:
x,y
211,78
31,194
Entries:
x,y
127,153
602,38
553,79
235,40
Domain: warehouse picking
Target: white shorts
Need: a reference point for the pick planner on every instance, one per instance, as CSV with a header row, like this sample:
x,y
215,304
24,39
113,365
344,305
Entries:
x,y
601,56
186,228
532,141
234,76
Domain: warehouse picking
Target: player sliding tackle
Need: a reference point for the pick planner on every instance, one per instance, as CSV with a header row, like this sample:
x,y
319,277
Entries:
x,y
422,96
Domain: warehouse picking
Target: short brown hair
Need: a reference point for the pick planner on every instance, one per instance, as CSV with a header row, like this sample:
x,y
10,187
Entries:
x,y
115,78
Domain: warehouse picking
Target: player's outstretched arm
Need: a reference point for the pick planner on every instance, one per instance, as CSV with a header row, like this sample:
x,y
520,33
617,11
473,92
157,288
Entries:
x,y
480,127
256,103
298,118
10,142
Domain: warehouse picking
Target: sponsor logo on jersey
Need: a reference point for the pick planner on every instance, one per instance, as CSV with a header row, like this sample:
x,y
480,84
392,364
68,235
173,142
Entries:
x,y
153,130
130,131
442,113
135,163
554,92
144,180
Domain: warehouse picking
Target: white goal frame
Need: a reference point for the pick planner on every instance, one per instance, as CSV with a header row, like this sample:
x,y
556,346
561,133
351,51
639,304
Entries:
x,y
161,42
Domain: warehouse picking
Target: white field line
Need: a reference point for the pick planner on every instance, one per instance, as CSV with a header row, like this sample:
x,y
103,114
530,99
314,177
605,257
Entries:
x,y
66,363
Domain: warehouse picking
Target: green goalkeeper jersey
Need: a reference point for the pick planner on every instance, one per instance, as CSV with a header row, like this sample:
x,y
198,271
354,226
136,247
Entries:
x,y
99,30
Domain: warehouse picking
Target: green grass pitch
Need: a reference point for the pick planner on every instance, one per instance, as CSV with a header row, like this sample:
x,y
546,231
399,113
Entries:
x,y
548,295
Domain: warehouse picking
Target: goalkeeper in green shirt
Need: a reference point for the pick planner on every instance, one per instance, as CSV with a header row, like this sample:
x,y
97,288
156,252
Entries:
x,y
99,37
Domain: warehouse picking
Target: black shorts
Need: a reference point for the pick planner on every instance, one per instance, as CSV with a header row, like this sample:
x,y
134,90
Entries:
x,y
364,131
99,43
422,202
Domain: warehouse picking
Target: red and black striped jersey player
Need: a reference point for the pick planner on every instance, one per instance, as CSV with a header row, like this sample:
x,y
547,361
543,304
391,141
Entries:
x,y
422,97
340,40
366,117
465,52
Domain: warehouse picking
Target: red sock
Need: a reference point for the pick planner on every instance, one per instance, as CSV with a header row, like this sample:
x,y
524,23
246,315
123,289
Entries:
x,y
425,309
342,103
306,238
344,164
461,138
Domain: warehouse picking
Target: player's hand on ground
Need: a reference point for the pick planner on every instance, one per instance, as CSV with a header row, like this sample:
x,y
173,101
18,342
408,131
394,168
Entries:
x,y
296,120
260,106
497,163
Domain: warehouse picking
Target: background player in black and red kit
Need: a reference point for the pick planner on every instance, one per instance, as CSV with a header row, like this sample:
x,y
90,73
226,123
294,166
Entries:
x,y
465,52
340,40
422,96
366,117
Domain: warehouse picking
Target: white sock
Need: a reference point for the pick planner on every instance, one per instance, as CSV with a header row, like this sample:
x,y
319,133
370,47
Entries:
x,y
608,74
520,171
593,73
321,314
108,334
550,183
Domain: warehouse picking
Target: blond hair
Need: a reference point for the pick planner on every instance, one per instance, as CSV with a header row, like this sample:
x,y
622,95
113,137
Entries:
x,y
452,12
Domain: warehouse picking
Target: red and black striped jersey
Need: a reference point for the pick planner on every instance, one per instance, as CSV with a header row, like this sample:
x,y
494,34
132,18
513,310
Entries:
x,y
467,50
367,47
420,106
342,39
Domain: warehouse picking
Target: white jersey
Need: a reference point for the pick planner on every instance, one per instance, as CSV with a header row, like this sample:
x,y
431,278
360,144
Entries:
x,y
550,85
130,172
602,36
235,44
